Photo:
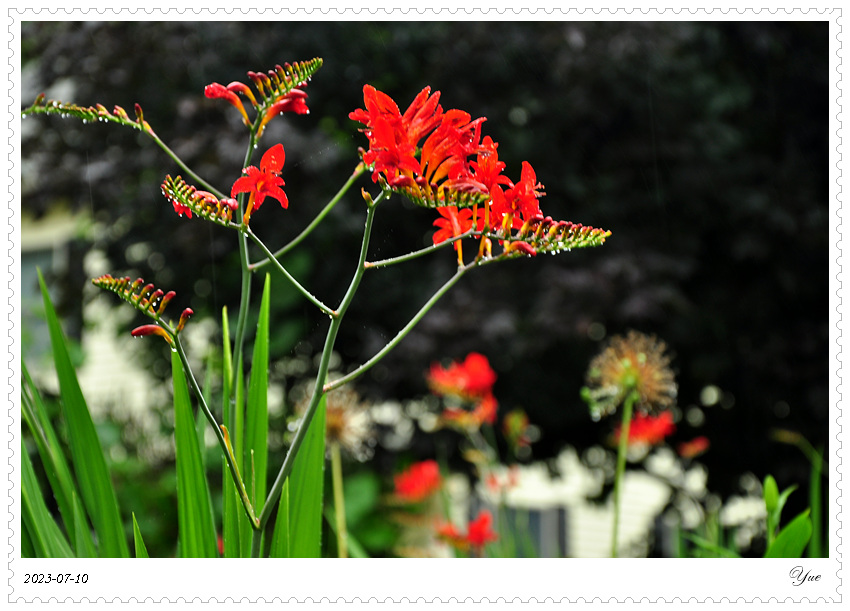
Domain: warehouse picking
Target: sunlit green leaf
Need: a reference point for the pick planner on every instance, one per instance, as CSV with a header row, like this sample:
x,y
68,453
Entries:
x,y
89,463
793,539
195,525
45,536
141,549
306,489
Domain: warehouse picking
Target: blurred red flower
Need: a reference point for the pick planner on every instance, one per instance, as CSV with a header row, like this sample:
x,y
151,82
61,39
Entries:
x,y
694,447
649,430
472,379
418,482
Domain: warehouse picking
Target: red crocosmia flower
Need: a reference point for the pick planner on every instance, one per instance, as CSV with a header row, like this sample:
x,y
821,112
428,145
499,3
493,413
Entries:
x,y
452,223
474,378
485,411
393,137
479,533
449,145
418,482
694,447
263,182
487,168
518,204
649,430
294,101
216,90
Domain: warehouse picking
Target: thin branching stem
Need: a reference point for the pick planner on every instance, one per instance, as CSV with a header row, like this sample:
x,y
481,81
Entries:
x,y
404,331
277,264
197,179
418,253
358,171
324,364
228,457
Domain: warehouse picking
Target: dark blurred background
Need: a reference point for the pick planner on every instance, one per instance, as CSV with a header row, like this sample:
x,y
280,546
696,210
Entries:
x,y
701,146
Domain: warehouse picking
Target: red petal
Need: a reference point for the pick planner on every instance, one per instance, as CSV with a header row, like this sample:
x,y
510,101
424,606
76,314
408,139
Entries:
x,y
273,159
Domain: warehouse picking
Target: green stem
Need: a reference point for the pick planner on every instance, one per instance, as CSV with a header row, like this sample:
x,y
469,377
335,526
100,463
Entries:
x,y
622,447
339,500
358,171
228,455
197,179
245,291
418,253
310,297
324,364
401,334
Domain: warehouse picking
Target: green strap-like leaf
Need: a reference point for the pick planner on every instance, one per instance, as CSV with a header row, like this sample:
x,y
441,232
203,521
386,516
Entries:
x,y
280,546
306,488
195,525
88,459
50,451
234,520
141,549
82,535
257,413
45,537
793,539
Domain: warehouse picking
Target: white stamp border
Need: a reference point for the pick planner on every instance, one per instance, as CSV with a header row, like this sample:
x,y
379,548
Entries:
x,y
552,581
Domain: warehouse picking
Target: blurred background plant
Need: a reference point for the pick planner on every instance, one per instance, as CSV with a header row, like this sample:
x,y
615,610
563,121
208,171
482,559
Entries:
x,y
631,126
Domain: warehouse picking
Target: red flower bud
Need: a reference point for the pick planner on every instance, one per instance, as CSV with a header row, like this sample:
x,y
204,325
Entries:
x,y
183,318
151,330
216,90
523,247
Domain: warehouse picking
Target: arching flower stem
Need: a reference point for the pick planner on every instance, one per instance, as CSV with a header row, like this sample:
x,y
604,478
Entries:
x,y
358,171
418,253
219,433
186,169
277,264
319,388
404,331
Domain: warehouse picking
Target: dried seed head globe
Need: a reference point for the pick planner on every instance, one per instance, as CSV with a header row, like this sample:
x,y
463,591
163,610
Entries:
x,y
636,362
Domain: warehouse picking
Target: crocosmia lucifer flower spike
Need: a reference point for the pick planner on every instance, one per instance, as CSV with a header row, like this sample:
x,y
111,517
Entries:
x,y
263,182
149,300
187,200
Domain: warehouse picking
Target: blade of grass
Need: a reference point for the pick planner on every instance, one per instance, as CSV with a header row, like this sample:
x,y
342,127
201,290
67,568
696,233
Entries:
x,y
50,451
232,513
257,413
793,539
46,538
88,459
245,529
306,489
280,546
195,525
141,549
84,545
